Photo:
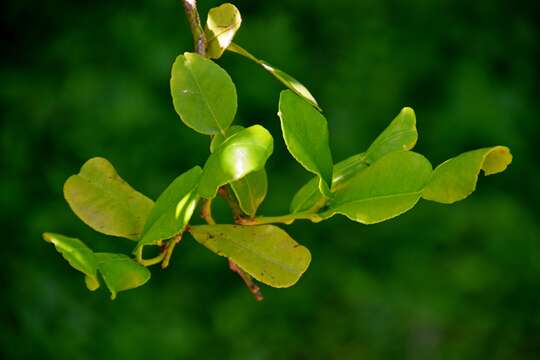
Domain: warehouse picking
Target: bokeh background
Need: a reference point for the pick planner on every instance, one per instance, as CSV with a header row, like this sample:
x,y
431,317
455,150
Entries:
x,y
81,79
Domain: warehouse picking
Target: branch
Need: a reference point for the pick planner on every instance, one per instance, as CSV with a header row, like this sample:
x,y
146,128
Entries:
x,y
199,40
255,290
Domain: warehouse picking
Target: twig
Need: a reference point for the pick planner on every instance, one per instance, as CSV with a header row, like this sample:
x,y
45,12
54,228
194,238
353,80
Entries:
x,y
225,193
253,288
199,40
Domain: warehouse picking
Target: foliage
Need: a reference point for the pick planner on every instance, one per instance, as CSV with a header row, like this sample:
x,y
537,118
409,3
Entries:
x,y
381,183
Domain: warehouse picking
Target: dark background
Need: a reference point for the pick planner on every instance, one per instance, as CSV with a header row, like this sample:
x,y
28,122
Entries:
x,y
81,79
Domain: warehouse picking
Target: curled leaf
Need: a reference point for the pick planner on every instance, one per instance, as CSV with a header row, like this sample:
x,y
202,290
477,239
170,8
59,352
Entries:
x,y
221,25
456,178
120,272
105,202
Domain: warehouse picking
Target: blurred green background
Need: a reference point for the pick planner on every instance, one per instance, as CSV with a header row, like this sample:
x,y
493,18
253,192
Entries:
x,y
83,79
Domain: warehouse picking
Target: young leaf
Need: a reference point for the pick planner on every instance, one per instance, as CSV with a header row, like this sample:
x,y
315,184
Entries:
x,y
389,187
221,25
456,178
250,190
105,202
265,252
305,131
78,255
173,209
285,78
120,272
203,94
401,134
242,153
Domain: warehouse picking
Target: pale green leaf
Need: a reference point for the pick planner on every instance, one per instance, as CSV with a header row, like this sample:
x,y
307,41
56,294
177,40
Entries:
x,y
244,152
203,94
305,131
173,209
456,178
218,139
266,252
250,191
221,25
285,78
78,255
105,202
120,272
389,187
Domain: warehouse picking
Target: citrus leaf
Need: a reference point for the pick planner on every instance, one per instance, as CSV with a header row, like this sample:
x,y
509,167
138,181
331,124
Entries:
x,y
221,25
305,131
282,76
250,190
389,187
456,178
78,255
244,152
120,272
173,209
203,94
266,252
400,134
105,202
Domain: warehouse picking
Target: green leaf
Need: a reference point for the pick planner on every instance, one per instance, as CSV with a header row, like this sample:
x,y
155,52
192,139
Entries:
x,y
78,255
456,178
244,152
389,187
221,26
266,252
305,131
401,134
285,78
173,209
309,198
203,94
251,190
120,272
105,202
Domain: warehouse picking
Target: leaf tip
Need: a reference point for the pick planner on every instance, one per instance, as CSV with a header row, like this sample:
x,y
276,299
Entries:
x,y
497,160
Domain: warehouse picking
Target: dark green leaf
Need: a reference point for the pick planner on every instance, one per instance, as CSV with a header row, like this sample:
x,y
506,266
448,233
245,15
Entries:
x,y
173,209
78,255
244,152
456,178
285,78
305,131
266,252
120,272
221,25
203,94
105,202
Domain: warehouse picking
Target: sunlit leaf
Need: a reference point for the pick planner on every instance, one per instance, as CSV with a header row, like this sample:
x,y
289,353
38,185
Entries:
x,y
266,252
105,202
389,187
78,255
173,209
305,131
244,152
456,178
285,78
203,94
400,135
250,190
221,26
120,272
